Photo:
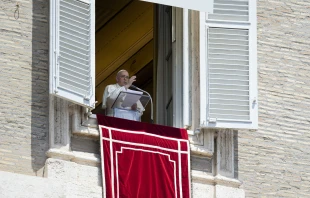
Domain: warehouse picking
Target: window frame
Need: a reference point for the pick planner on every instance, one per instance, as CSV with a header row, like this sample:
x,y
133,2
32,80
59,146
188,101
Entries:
x,y
205,6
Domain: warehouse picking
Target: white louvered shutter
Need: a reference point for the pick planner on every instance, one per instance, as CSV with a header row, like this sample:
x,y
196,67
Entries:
x,y
229,89
72,55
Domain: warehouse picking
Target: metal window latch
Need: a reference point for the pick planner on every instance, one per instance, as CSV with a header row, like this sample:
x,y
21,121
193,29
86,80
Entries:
x,y
212,120
88,112
195,132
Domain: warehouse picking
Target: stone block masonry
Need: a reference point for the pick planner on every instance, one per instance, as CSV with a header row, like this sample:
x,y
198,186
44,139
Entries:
x,y
24,39
274,160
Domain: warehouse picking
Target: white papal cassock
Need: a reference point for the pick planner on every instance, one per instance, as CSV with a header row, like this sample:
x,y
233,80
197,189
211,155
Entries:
x,y
110,94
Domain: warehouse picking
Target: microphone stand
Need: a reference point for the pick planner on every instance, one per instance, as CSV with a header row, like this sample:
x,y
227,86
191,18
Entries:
x,y
150,99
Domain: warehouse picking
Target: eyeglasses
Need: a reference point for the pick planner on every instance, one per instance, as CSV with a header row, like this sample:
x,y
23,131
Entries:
x,y
124,76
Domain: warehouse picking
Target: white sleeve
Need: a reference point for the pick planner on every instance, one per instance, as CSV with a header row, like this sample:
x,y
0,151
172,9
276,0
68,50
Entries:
x,y
111,92
104,97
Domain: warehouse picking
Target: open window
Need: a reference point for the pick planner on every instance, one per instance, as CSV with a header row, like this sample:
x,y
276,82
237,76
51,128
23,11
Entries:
x,y
91,40
124,40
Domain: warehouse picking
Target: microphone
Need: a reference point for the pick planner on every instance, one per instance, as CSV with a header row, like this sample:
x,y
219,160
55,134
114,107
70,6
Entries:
x,y
136,87
150,99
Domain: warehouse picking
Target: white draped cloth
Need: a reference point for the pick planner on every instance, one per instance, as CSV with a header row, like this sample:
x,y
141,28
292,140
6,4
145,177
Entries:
x,y
110,94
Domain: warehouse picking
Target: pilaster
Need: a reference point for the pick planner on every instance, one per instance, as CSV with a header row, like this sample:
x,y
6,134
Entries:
x,y
225,153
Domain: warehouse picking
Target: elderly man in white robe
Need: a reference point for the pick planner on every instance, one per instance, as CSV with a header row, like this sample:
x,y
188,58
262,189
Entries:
x,y
112,91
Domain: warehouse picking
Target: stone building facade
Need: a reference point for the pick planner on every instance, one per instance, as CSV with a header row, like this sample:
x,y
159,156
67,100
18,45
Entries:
x,y
24,86
271,161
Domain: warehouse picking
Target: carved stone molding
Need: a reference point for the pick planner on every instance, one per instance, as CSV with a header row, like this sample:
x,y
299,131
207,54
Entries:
x,y
82,124
73,156
225,153
202,177
59,129
202,143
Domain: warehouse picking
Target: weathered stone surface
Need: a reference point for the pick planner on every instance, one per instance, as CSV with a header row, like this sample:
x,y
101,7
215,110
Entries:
x,y
273,161
202,190
14,185
79,180
228,192
24,86
62,179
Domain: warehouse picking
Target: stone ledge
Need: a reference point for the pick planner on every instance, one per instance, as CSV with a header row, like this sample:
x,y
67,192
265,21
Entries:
x,y
225,181
74,156
86,131
200,150
202,177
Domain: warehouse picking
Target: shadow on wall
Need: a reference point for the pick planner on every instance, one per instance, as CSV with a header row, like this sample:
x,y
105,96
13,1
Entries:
x,y
236,157
40,85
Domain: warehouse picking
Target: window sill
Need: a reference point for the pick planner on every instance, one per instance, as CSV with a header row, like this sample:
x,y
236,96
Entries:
x,y
74,156
89,128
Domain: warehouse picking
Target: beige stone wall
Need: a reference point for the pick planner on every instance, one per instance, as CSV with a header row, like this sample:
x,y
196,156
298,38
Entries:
x,y
274,160
23,86
62,179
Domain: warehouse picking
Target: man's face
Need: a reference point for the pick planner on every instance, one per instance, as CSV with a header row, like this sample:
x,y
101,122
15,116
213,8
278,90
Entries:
x,y
122,78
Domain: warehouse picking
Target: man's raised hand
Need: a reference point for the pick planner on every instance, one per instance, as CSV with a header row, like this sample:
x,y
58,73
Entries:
x,y
130,81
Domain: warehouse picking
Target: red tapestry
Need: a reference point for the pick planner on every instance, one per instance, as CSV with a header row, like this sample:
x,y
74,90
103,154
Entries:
x,y
141,160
